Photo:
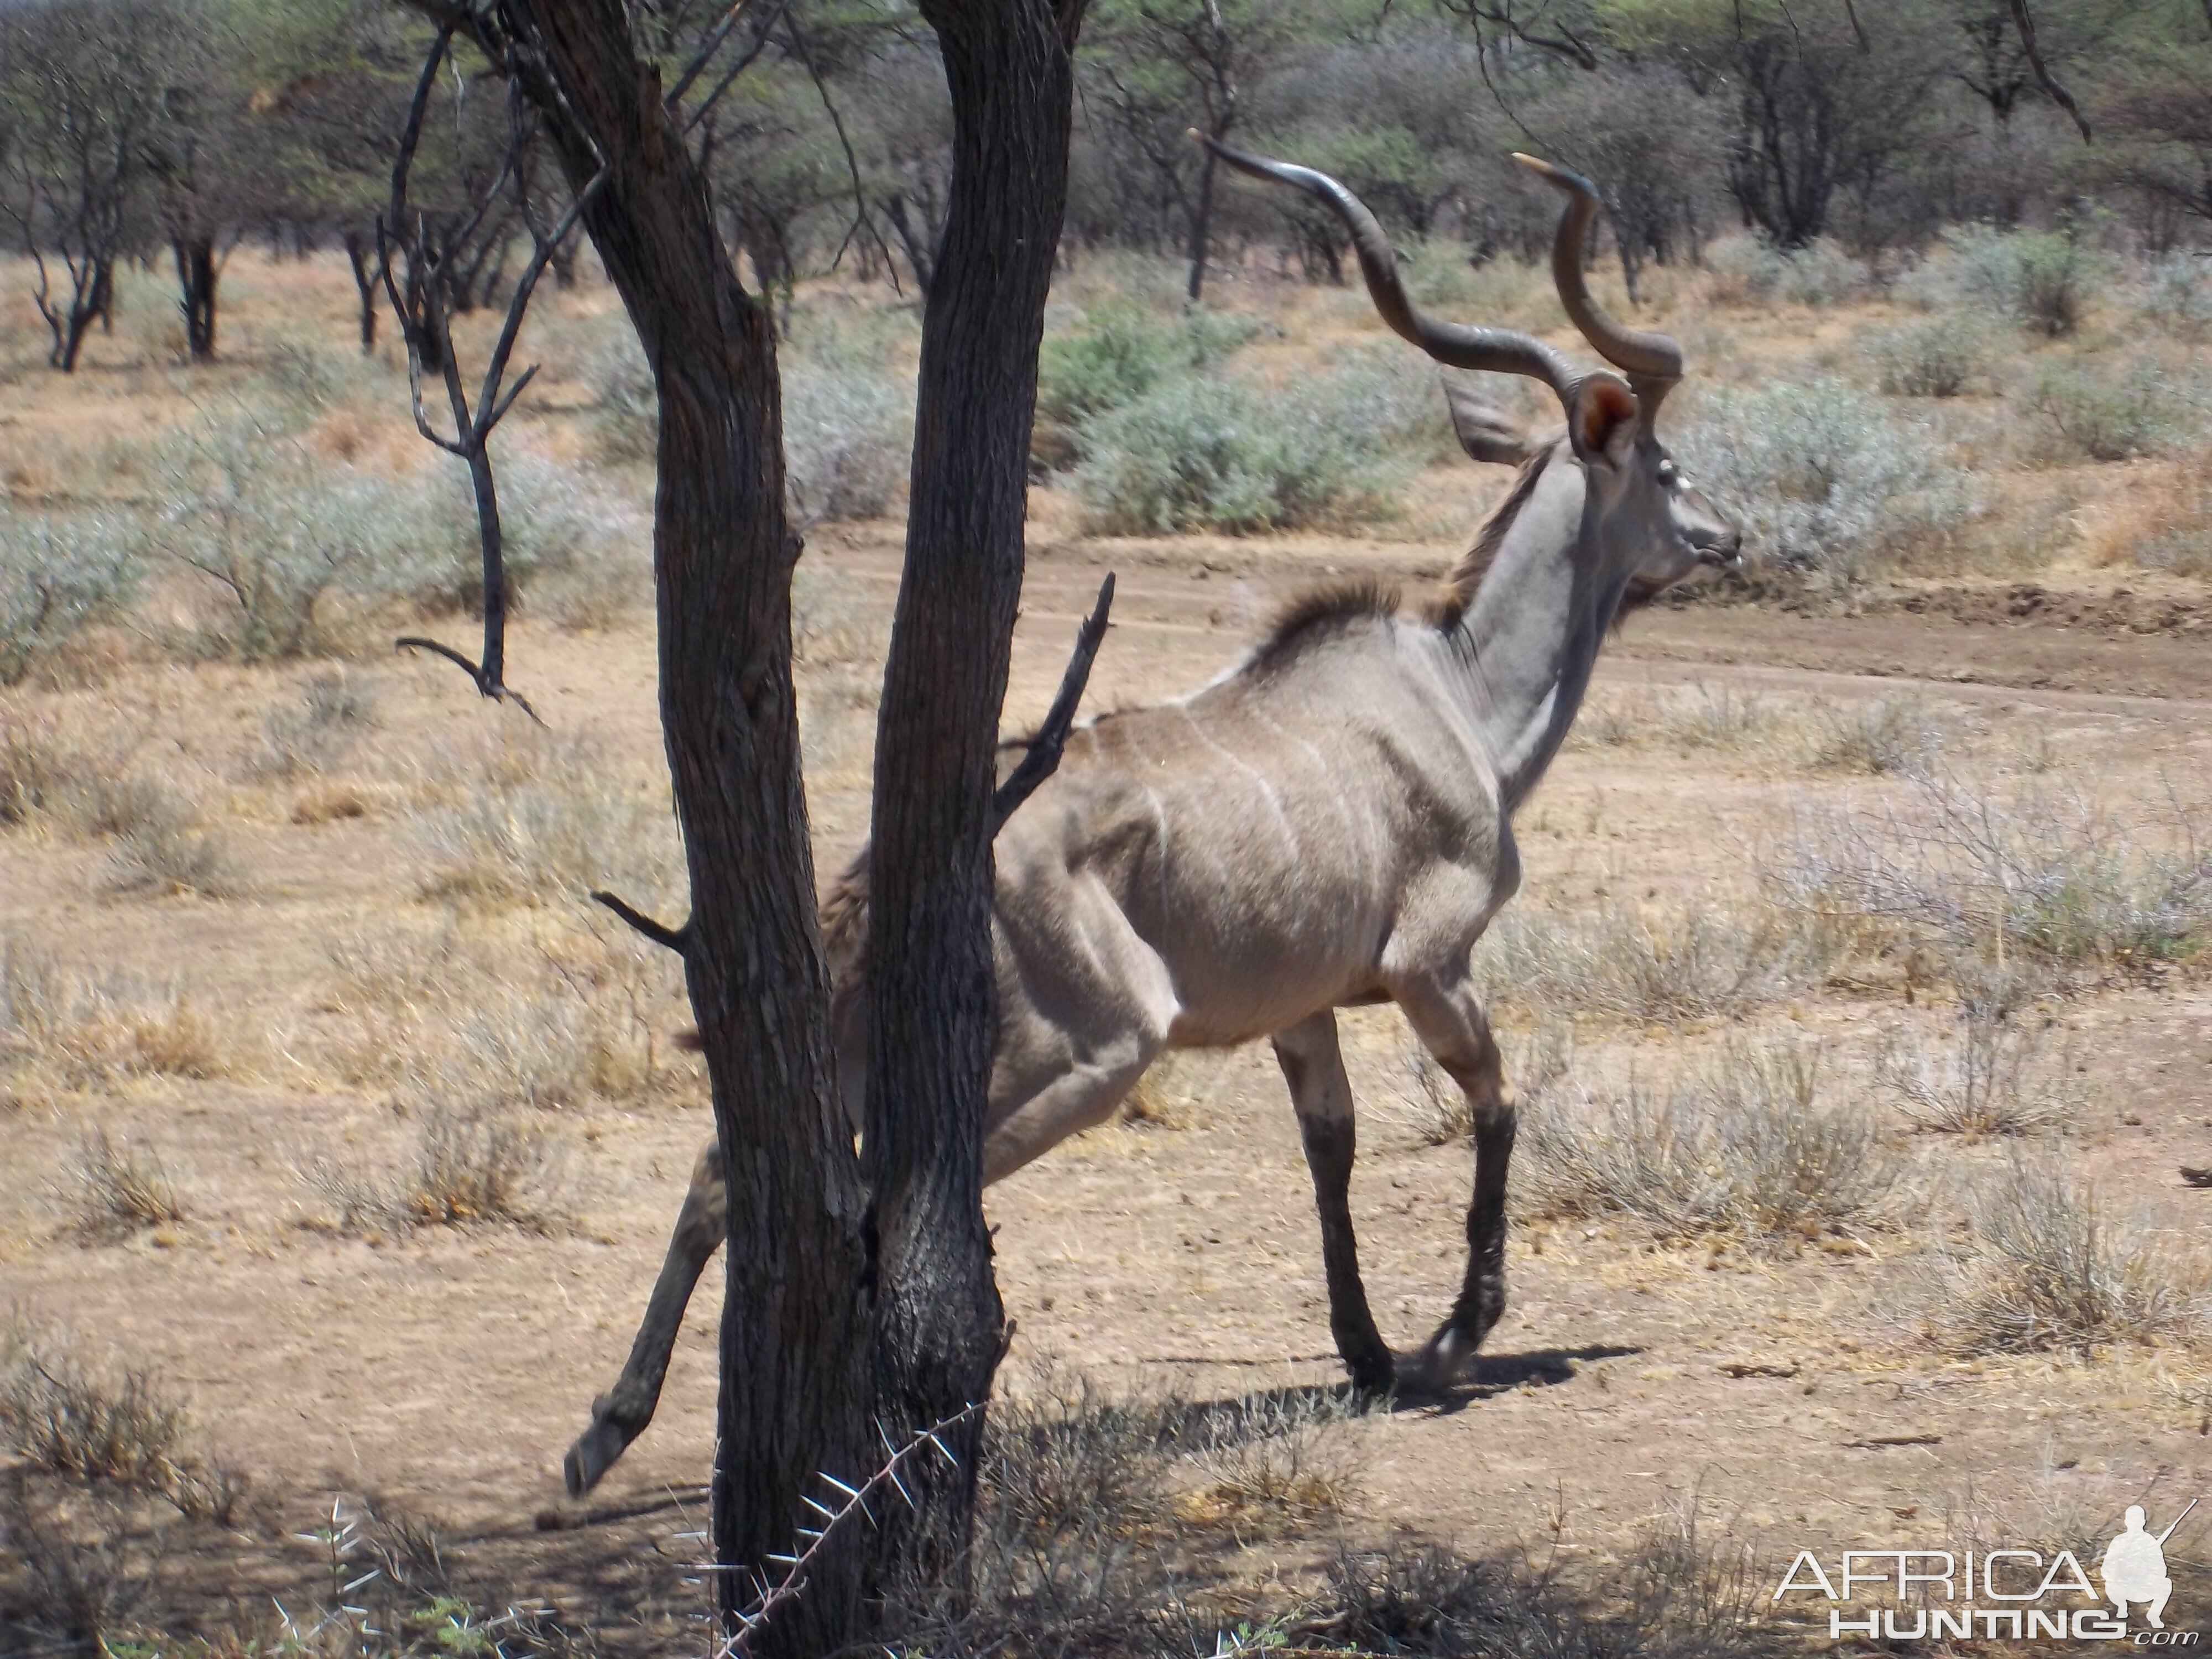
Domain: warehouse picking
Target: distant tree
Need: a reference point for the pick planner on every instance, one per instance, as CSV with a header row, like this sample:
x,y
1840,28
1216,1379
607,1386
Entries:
x,y
81,84
1164,68
204,174
1822,95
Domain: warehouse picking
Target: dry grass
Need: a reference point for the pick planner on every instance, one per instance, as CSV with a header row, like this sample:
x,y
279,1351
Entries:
x,y
1704,718
158,845
469,1168
1676,1595
1269,1462
2045,1262
120,1187
175,859
334,711
73,1030
1434,1108
1658,962
32,772
98,1428
539,1022
536,817
1989,1074
1754,1145
1885,737
2030,872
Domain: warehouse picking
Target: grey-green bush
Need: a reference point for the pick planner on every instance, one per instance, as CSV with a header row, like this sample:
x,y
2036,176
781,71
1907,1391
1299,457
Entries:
x,y
1939,357
2038,873
2041,279
57,576
1752,1144
1819,275
1825,478
1200,452
277,531
1120,352
2110,414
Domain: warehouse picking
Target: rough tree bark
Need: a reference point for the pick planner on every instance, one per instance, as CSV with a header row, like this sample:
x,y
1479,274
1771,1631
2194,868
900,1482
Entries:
x,y
939,1326
197,272
359,245
795,1326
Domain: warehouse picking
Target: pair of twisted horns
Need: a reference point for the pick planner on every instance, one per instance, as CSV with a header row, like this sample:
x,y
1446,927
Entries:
x,y
1650,363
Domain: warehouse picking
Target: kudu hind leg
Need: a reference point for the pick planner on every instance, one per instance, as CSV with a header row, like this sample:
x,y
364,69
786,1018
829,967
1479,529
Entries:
x,y
1313,1065
1451,1025
620,1415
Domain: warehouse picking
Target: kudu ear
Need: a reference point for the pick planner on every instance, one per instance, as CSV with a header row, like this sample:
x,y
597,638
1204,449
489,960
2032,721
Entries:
x,y
1603,419
1486,431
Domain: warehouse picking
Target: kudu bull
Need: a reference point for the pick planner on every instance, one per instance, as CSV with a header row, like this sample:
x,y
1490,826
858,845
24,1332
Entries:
x,y
1327,825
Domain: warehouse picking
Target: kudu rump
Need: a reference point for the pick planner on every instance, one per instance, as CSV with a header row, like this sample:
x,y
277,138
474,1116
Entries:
x,y
1327,825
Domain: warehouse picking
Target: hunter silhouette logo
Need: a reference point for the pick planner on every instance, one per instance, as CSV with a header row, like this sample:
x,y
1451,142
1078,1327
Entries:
x,y
2003,1594
2133,1567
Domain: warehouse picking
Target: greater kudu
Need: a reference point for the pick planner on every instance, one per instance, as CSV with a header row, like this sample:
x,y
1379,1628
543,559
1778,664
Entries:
x,y
1329,824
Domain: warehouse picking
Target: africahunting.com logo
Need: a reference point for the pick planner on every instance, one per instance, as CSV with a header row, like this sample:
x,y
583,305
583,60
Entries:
x,y
2014,1594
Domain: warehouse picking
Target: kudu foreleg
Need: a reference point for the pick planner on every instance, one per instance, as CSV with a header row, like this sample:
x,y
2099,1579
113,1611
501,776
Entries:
x,y
1313,1065
1450,1024
620,1415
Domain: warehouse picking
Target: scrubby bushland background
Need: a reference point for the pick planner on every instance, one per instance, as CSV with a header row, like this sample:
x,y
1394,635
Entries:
x,y
1859,1023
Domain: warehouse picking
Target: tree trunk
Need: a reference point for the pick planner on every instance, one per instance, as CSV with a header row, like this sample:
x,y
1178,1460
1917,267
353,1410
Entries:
x,y
933,1018
795,1325
364,284
1201,225
197,275
93,296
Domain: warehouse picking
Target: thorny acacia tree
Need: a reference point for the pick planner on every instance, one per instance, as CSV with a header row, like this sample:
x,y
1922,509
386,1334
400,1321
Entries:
x,y
855,1297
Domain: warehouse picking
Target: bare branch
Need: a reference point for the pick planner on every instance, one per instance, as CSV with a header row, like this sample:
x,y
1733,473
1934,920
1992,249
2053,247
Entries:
x,y
745,61
498,693
677,940
864,219
1045,748
704,56
2045,78
424,325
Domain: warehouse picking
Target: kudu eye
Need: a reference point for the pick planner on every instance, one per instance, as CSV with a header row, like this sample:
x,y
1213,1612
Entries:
x,y
1667,474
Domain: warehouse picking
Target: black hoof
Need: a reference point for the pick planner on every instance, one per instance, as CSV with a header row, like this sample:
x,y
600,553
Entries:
x,y
593,1454
1373,1374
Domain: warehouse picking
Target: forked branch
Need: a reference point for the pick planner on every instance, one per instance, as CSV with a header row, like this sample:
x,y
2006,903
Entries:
x,y
424,323
1042,759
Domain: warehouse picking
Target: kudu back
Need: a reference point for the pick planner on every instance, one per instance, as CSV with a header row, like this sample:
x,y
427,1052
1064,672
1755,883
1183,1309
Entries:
x,y
1328,823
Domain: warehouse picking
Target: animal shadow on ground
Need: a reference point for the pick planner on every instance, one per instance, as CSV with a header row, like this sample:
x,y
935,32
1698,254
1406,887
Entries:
x,y
1491,1373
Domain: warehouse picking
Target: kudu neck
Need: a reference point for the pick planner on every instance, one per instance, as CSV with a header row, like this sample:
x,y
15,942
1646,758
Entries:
x,y
1529,639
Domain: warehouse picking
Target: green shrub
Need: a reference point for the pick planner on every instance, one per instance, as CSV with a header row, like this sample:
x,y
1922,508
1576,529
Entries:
x,y
1819,274
2040,279
848,438
277,531
1121,352
1940,357
2176,294
2116,416
57,575
848,419
1201,454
